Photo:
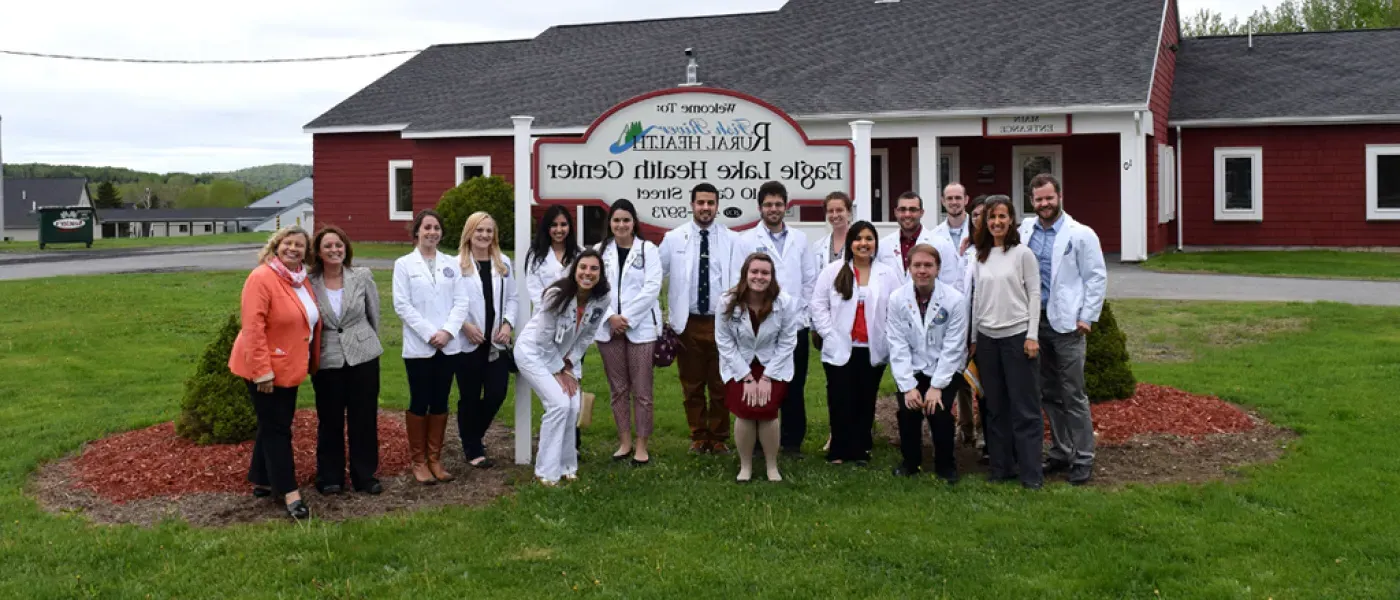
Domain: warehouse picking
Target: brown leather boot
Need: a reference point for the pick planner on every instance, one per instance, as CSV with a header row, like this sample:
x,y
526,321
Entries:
x,y
437,429
418,447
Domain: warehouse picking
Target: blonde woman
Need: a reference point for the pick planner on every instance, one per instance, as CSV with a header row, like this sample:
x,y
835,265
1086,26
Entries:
x,y
486,334
277,348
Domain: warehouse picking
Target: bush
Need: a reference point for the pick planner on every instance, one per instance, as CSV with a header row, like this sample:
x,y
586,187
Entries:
x,y
493,195
1108,374
216,408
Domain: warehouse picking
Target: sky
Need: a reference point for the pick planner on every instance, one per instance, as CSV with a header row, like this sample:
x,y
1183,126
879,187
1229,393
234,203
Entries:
x,y
201,118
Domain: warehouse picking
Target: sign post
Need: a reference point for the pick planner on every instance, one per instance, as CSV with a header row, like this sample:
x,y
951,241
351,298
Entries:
x,y
860,137
524,424
652,149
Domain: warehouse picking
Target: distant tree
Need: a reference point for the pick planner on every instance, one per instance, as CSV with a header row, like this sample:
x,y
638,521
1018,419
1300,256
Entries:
x,y
227,193
155,200
107,196
1299,15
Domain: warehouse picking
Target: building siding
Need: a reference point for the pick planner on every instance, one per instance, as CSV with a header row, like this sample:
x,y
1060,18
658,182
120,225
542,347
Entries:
x,y
1163,76
1314,187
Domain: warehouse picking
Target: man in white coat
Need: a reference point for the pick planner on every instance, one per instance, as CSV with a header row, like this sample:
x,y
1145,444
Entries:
x,y
797,265
894,248
698,262
1073,283
957,229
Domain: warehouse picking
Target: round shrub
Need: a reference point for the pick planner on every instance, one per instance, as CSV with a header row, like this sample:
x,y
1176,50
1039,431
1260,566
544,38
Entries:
x,y
1108,372
493,195
215,408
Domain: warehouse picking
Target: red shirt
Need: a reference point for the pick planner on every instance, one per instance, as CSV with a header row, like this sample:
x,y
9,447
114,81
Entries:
x,y
907,243
858,332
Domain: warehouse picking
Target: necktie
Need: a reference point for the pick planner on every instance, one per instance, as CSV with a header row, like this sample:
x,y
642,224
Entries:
x,y
702,305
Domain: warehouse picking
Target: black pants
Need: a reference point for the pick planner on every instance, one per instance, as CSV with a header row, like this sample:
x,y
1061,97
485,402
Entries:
x,y
272,463
1015,429
850,400
942,428
430,382
793,413
347,396
475,411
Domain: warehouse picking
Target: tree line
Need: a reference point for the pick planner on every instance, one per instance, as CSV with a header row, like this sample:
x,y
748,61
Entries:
x,y
111,187
1296,16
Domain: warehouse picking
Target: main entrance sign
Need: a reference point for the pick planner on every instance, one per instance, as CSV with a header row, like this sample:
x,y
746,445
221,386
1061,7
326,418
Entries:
x,y
652,149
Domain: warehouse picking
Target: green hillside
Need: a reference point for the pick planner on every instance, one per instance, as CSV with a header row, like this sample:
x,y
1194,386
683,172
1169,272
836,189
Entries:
x,y
175,190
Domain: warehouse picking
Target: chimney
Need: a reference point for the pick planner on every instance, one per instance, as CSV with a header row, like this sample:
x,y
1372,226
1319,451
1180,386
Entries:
x,y
691,78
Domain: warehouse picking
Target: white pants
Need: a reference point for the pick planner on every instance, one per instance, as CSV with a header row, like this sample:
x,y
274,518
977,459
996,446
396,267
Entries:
x,y
557,455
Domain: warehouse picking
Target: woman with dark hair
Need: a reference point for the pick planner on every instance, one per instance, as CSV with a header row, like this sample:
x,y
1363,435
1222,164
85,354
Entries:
x,y
757,336
1006,315
347,384
552,247
848,311
549,355
626,338
432,303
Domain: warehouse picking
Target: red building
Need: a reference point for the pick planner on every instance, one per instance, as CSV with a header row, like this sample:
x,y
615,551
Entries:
x,y
1103,93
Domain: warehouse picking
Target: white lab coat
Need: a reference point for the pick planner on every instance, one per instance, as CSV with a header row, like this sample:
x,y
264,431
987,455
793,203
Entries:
x,y
537,278
953,269
1078,276
678,250
833,316
639,293
822,247
503,300
773,345
796,265
428,301
933,343
551,337
890,255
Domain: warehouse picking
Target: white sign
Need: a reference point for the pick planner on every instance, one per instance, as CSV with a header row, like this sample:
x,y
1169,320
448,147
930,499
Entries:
x,y
653,149
1026,126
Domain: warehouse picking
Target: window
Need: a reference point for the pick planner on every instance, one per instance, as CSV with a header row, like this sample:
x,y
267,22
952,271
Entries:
x,y
207,227
184,229
1029,161
472,166
1239,184
1166,183
1383,183
400,190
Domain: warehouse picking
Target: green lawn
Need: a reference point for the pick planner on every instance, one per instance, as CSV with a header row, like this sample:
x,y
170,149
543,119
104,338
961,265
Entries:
x,y
76,363
252,237
1326,264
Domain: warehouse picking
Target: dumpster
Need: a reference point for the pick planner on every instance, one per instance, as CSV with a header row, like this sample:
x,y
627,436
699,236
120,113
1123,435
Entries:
x,y
66,225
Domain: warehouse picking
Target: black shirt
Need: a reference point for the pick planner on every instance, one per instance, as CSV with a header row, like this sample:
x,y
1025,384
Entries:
x,y
621,263
483,270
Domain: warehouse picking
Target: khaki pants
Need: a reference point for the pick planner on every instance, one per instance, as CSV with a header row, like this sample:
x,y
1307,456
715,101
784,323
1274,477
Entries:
x,y
698,363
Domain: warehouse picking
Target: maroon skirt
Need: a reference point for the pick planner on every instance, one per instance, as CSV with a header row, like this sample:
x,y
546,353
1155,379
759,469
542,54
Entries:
x,y
734,399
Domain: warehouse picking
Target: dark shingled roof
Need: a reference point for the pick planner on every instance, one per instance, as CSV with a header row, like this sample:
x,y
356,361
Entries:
x,y
1317,74
810,57
23,194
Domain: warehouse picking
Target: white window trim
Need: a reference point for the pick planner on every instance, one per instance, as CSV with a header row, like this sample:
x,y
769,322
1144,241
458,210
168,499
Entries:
x,y
394,214
1373,210
1017,183
1256,213
1166,183
954,156
884,154
476,161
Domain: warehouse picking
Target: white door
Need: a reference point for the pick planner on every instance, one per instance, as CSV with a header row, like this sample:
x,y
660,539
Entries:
x,y
1027,162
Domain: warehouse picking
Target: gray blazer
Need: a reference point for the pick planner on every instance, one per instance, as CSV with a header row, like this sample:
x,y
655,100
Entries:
x,y
352,337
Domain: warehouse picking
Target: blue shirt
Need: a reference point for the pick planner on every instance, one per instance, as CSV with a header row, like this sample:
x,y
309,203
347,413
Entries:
x,y
778,240
1042,244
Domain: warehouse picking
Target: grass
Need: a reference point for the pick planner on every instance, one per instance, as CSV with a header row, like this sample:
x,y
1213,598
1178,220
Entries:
x,y
1325,264
1318,524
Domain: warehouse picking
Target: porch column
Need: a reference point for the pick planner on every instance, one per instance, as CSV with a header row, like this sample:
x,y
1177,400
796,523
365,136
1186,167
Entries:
x,y
523,423
1132,164
928,183
860,136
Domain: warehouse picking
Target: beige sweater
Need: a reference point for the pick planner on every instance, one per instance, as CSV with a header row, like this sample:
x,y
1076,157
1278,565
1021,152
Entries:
x,y
1006,296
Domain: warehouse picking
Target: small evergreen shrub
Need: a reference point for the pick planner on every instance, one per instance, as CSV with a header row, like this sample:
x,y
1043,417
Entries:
x,y
216,408
1108,373
493,195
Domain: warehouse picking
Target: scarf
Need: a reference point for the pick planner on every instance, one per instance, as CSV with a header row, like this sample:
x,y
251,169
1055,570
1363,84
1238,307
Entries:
x,y
294,278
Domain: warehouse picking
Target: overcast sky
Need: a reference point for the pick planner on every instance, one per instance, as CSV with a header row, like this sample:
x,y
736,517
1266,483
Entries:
x,y
199,118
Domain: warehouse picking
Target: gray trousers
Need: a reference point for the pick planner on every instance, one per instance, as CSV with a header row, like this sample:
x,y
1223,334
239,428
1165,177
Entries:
x,y
1062,394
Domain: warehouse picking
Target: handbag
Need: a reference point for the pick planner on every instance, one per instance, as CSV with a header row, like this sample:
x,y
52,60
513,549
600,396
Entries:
x,y
667,345
506,353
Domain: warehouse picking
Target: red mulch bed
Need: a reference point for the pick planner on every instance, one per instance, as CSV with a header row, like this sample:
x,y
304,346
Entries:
x,y
1164,410
155,462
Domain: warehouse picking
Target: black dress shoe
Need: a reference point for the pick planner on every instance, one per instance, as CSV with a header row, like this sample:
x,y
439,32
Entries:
x,y
373,489
900,471
1053,466
298,511
1080,474
261,492
793,453
327,490
1032,486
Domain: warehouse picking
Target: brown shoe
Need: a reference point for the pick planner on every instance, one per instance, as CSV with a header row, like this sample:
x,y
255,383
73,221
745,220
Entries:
x,y
699,447
719,448
417,427
437,428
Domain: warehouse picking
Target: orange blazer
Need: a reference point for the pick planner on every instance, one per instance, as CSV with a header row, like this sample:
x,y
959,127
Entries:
x,y
275,337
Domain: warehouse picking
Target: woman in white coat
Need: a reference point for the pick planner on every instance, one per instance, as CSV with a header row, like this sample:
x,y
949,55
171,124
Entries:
x,y
549,355
482,377
848,311
927,326
628,334
432,304
757,336
552,247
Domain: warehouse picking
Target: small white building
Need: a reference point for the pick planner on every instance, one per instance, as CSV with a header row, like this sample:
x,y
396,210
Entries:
x,y
24,197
